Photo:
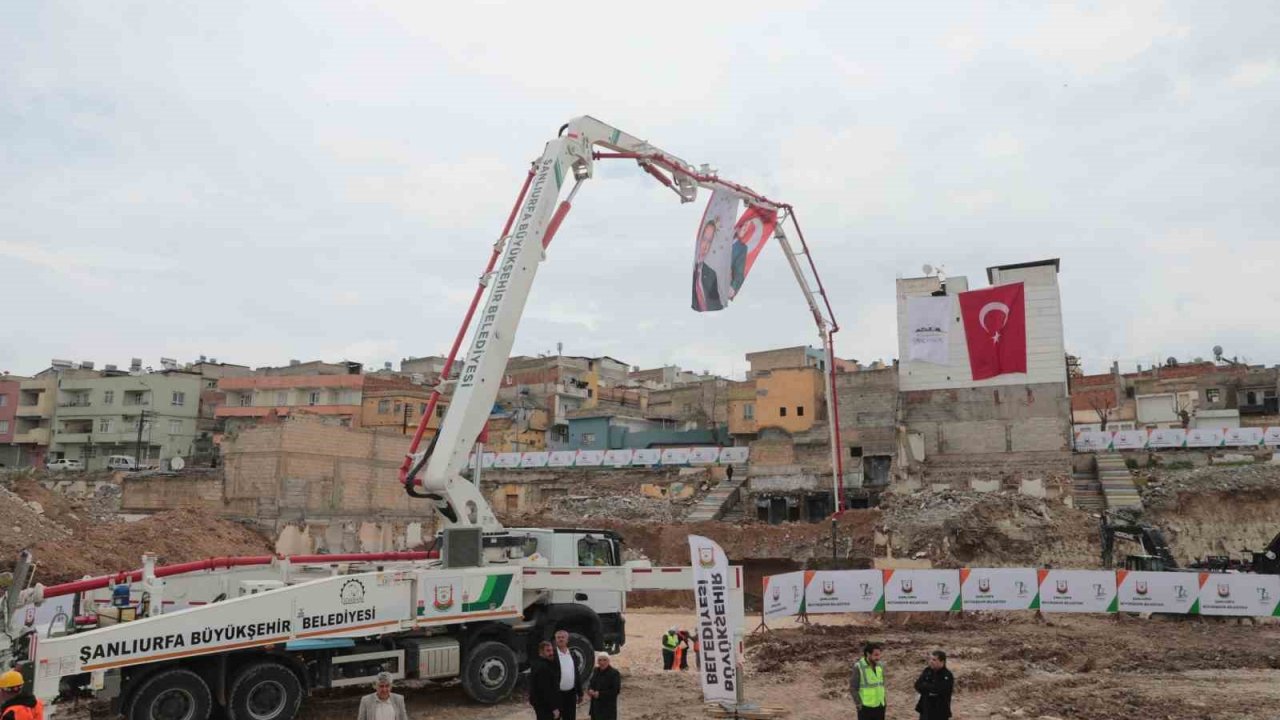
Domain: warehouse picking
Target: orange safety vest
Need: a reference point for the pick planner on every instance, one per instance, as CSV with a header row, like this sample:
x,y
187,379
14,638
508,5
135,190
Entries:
x,y
22,712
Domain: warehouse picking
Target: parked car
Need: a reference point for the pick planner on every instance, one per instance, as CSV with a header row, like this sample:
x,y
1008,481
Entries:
x,y
122,462
65,464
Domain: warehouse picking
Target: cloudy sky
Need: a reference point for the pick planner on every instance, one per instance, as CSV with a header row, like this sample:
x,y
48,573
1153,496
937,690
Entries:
x,y
263,181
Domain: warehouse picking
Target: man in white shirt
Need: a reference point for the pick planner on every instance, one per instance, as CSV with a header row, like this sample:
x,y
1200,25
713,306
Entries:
x,y
570,691
382,704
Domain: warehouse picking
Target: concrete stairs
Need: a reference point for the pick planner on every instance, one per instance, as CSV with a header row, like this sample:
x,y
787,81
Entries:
x,y
1117,482
1086,492
715,504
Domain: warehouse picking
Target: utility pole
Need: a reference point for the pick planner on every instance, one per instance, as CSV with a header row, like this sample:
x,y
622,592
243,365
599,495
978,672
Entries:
x,y
137,451
404,420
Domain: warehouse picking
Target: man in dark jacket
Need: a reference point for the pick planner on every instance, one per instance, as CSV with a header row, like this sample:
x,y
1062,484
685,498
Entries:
x,y
603,689
935,685
544,683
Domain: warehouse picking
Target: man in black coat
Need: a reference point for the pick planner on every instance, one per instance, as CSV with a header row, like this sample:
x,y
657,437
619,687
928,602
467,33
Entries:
x,y
935,685
603,689
544,683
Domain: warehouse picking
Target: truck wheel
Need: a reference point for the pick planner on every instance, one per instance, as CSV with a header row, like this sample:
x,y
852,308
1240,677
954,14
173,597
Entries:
x,y
170,695
584,655
265,691
490,672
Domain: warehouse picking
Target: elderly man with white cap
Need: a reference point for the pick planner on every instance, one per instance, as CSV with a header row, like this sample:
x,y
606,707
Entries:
x,y
603,689
382,704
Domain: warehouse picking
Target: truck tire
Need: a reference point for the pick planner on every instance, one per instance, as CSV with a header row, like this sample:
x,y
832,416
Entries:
x,y
490,672
170,695
264,691
584,655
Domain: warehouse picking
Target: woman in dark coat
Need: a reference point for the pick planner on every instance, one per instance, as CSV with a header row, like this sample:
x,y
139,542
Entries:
x,y
603,689
544,683
935,685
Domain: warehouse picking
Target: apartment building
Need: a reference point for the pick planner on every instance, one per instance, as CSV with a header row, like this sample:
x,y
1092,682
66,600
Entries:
x,y
10,388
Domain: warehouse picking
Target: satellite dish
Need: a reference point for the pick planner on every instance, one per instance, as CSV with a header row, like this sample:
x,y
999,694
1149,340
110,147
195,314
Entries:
x,y
1217,351
1171,362
177,464
928,269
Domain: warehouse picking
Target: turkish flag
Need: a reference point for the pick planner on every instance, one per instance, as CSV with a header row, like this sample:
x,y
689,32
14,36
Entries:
x,y
995,329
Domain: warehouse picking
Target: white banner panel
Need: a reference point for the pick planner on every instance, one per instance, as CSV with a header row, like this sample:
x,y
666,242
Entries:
x,y
675,456
1271,436
1081,591
589,458
1092,440
618,458
507,460
1129,440
646,456
487,459
1167,438
718,629
783,595
1204,437
999,588
534,459
928,321
704,455
740,454
924,590
1239,594
561,458
1243,437
1162,592
843,591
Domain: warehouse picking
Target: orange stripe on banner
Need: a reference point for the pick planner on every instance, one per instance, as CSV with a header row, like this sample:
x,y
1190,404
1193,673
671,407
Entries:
x,y
1120,576
808,577
964,575
888,574
1040,576
1204,578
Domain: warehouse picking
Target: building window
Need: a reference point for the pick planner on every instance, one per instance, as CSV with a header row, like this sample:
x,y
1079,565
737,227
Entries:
x,y
246,400
588,437
175,427
799,411
855,451
4,425
1251,397
282,398
108,397
399,408
749,411
384,407
313,398
4,400
1213,395
590,392
782,412
210,384
422,409
104,425
439,411
179,398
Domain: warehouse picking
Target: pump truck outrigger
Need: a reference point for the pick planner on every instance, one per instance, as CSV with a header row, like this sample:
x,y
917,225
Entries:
x,y
251,636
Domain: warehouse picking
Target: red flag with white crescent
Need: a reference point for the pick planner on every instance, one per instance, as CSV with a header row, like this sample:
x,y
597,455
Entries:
x,y
751,232
995,329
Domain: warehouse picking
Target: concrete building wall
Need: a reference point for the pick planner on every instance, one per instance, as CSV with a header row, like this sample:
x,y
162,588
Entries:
x,y
792,357
789,399
969,421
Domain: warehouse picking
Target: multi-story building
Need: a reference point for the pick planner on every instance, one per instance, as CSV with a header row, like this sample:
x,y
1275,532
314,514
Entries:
x,y
33,420
10,387
703,403
330,391
397,406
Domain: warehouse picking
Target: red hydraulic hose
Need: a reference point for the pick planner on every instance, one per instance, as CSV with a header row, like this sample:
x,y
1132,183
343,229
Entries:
x,y
462,331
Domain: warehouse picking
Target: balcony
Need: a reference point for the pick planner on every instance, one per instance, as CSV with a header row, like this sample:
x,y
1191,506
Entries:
x,y
34,436
38,410
571,390
74,403
69,438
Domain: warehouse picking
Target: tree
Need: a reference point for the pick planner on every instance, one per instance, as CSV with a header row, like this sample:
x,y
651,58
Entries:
x,y
1102,403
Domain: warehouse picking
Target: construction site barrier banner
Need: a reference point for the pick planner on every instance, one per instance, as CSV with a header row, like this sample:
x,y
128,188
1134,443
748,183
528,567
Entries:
x,y
1270,436
507,460
561,458
999,589
675,456
783,595
647,456
1239,594
589,458
1204,437
925,590
703,456
843,591
1243,437
1167,438
1129,440
617,458
534,459
1093,441
1077,591
1162,592
719,630
740,454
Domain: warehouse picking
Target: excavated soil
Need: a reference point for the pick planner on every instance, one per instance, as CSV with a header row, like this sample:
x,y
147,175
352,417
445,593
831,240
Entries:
x,y
1215,510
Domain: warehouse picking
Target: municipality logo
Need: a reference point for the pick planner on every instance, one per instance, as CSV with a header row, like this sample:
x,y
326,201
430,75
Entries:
x,y
1180,592
943,590
777,593
444,597
1061,587
984,584
707,557
906,585
828,587
865,589
1224,590
352,592
1140,588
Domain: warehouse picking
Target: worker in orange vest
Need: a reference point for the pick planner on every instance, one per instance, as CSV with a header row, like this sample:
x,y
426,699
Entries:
x,y
18,705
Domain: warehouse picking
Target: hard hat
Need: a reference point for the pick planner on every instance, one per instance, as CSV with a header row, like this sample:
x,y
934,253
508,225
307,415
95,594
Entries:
x,y
10,680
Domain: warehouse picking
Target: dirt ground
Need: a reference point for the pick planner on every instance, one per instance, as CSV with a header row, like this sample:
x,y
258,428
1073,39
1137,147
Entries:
x,y
1006,666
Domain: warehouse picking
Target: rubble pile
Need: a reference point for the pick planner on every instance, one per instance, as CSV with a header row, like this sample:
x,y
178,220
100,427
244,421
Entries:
x,y
1214,510
954,528
576,508
24,523
1163,488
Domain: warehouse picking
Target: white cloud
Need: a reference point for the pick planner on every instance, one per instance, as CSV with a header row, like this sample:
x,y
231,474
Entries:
x,y
1098,36
1254,73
